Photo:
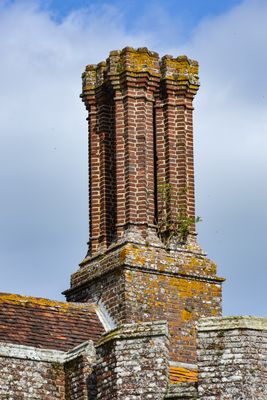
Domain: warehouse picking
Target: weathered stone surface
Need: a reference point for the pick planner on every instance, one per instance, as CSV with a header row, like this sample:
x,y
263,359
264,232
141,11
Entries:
x,y
27,379
44,374
78,368
182,391
141,195
136,282
232,358
132,362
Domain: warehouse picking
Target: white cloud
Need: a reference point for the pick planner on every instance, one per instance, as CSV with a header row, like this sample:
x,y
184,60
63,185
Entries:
x,y
43,169
43,141
231,149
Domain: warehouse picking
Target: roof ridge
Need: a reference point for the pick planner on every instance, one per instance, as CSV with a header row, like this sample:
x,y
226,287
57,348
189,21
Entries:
x,y
42,302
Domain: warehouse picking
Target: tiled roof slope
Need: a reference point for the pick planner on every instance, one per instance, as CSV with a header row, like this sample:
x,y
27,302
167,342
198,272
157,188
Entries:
x,y
47,324
180,374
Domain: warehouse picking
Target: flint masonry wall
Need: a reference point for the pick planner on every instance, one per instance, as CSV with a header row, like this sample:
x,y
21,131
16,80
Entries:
x,y
32,373
182,391
132,362
26,379
78,368
232,358
29,373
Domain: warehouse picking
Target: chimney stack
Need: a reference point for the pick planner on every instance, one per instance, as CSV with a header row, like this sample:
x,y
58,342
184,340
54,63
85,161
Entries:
x,y
143,262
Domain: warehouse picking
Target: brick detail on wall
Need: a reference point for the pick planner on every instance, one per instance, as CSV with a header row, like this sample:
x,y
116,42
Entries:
x,y
132,362
140,110
78,368
232,358
32,373
140,136
182,391
174,133
27,379
144,283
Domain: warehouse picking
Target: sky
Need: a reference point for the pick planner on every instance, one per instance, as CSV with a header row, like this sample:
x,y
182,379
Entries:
x,y
44,47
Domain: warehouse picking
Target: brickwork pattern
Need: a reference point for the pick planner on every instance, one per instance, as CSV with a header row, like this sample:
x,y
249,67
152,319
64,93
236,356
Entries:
x,y
78,368
155,290
182,391
141,283
232,358
181,301
140,136
77,372
32,373
141,106
108,289
28,379
132,363
174,132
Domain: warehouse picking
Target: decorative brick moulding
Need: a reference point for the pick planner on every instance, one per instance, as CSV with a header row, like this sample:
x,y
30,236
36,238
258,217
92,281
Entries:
x,y
143,262
140,137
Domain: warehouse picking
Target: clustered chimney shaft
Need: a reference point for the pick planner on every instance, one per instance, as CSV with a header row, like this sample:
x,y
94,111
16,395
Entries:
x,y
141,170
143,263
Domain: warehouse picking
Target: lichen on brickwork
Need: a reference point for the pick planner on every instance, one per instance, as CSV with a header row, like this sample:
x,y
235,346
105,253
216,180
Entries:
x,y
143,317
180,69
135,61
154,285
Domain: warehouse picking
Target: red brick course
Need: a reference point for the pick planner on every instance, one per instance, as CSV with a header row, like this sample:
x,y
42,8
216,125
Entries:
x,y
141,138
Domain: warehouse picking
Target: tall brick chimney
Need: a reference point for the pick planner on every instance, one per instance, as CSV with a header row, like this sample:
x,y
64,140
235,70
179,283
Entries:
x,y
140,144
143,261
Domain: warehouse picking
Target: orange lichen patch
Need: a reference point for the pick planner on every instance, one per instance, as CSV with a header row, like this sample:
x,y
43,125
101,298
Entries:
x,y
129,277
214,313
180,374
180,69
123,255
186,315
139,256
20,300
198,265
179,300
134,60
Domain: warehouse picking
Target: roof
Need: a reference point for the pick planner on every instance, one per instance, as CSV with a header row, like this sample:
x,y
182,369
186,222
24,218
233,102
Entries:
x,y
47,324
180,374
